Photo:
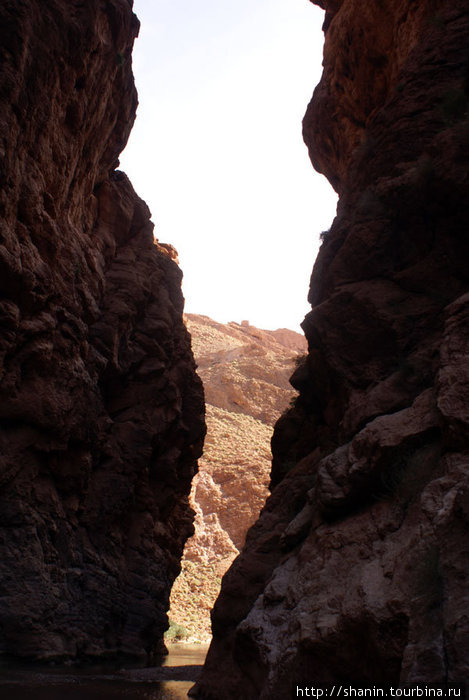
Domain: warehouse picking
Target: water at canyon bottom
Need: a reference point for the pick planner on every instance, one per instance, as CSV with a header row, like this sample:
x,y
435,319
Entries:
x,y
169,682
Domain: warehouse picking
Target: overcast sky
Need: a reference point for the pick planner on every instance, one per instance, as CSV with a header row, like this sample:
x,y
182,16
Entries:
x,y
217,152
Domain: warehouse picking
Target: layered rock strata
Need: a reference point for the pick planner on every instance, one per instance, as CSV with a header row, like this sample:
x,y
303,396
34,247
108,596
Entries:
x,y
245,373
356,571
101,412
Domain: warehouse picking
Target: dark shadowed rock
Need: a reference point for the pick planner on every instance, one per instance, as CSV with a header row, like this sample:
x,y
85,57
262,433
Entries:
x,y
356,571
101,412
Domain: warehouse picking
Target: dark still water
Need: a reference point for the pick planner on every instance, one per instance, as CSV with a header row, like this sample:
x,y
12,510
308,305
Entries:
x,y
169,682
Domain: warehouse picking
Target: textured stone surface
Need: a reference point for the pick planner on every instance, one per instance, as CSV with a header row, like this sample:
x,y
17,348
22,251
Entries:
x,y
356,571
101,413
245,373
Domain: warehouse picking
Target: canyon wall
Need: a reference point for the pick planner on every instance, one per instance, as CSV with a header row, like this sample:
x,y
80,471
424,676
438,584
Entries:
x,y
101,412
356,571
245,373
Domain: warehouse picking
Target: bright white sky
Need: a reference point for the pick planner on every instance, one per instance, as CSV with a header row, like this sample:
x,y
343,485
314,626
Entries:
x,y
217,152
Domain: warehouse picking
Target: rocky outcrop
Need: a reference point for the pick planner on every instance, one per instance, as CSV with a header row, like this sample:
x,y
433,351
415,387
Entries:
x,y
101,412
356,569
245,373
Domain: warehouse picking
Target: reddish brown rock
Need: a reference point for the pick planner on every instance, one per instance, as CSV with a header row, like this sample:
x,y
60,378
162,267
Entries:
x,y
245,373
356,571
101,412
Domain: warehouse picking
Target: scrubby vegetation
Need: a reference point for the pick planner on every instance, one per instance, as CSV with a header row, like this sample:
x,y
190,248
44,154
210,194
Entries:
x,y
193,596
176,632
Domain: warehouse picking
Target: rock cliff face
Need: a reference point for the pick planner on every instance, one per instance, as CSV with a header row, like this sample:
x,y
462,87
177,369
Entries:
x,y
356,570
245,373
101,412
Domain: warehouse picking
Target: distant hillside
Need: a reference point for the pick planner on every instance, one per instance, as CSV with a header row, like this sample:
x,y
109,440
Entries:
x,y
245,372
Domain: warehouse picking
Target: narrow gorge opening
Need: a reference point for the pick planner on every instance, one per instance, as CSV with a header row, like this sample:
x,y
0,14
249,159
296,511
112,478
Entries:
x,y
240,81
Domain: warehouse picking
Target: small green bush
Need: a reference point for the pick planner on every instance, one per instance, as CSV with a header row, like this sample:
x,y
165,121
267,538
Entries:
x,y
175,632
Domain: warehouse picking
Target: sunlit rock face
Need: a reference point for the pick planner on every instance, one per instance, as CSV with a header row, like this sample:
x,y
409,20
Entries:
x,y
245,373
101,409
356,570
